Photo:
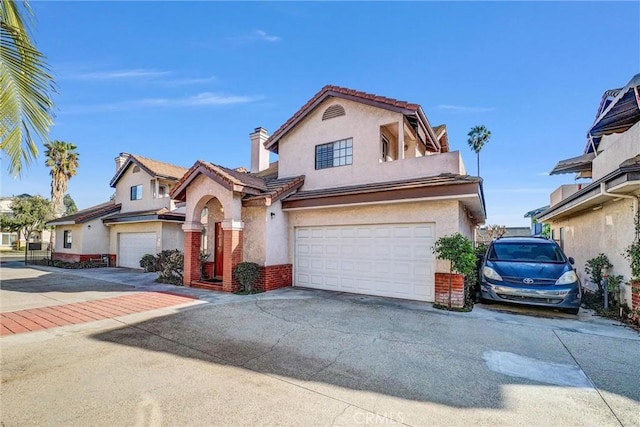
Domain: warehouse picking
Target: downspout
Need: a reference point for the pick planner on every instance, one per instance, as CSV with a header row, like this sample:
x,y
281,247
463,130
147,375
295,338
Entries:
x,y
604,192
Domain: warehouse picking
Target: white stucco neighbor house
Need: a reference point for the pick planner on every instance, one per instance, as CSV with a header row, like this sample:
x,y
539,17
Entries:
x,y
362,188
598,216
141,219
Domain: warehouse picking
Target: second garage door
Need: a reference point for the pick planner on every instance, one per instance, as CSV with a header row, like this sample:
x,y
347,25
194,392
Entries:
x,y
132,246
393,260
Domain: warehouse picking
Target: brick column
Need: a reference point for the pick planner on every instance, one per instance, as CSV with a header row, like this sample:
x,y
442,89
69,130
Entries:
x,y
442,289
232,253
192,239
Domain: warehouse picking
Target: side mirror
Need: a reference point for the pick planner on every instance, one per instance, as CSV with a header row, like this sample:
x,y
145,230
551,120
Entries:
x,y
571,260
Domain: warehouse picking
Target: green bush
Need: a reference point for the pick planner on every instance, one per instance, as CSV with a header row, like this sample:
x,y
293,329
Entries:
x,y
171,266
594,267
458,250
247,273
149,263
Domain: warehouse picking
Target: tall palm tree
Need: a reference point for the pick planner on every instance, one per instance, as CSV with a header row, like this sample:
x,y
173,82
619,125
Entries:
x,y
62,158
26,107
478,137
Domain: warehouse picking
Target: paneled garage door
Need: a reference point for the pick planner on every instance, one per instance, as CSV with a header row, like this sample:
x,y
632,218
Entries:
x,y
393,260
132,246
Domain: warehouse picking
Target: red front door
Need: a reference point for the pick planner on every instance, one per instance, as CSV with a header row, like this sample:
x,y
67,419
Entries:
x,y
218,250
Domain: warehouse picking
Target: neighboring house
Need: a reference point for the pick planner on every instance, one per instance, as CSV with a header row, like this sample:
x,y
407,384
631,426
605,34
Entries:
x,y
598,217
482,233
13,240
141,219
363,187
536,226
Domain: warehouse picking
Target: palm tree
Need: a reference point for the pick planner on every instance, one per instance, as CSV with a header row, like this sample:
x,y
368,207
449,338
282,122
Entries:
x,y
478,137
63,161
26,107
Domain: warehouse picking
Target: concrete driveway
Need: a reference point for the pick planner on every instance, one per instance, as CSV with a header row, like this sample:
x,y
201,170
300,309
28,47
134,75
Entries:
x,y
299,357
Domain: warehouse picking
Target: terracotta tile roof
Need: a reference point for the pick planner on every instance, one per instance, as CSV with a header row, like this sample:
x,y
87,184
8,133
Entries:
x,y
87,214
443,179
152,167
256,186
341,92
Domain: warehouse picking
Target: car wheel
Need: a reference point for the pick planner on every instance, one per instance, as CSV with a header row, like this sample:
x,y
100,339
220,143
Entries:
x,y
571,310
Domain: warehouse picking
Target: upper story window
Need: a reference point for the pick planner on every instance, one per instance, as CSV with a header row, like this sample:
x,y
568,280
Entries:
x,y
67,239
338,153
333,111
136,192
385,146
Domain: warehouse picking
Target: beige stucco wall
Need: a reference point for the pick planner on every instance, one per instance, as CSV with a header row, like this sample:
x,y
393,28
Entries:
x,y
608,230
95,239
277,236
445,215
200,192
564,191
627,145
123,193
76,239
172,236
254,235
466,224
362,124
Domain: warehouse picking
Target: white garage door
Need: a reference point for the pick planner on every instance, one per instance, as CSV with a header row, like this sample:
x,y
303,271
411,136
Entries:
x,y
132,246
393,260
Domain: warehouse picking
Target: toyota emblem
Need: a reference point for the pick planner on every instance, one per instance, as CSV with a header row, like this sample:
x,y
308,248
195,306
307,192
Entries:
x,y
528,281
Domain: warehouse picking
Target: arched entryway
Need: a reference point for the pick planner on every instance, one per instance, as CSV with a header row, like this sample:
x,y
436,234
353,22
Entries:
x,y
212,244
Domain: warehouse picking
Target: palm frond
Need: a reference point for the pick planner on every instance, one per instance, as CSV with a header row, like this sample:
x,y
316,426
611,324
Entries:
x,y
26,106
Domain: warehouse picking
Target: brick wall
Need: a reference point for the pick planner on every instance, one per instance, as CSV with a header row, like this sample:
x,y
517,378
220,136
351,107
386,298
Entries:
x,y
208,270
442,289
275,276
70,257
191,256
635,296
232,250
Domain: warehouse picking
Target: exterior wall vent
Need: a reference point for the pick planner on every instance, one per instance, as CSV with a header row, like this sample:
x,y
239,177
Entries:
x,y
333,111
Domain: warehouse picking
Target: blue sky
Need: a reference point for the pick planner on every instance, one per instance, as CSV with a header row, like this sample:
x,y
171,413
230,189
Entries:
x,y
179,81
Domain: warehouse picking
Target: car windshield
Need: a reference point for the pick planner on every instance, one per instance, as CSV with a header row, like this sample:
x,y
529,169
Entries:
x,y
527,252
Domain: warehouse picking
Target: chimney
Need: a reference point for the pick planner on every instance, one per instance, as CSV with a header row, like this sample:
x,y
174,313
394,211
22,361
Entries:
x,y
259,154
121,160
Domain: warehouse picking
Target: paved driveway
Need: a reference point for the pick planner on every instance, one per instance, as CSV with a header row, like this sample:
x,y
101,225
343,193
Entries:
x,y
302,357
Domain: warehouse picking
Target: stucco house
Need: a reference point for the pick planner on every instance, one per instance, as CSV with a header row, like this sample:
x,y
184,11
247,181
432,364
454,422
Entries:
x,y
13,240
598,216
362,188
141,219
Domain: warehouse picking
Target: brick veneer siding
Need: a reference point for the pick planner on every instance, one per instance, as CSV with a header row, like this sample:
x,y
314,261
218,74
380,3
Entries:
x,y
232,256
208,269
275,276
442,289
191,257
69,257
635,296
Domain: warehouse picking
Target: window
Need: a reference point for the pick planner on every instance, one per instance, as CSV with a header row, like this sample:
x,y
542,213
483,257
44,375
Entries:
x,y
163,191
136,192
385,148
8,239
338,153
68,239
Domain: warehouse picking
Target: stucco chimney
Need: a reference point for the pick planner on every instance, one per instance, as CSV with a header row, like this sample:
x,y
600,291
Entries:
x,y
259,154
120,160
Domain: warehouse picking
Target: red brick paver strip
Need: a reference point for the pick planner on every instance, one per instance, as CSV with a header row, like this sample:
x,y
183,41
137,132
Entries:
x,y
33,319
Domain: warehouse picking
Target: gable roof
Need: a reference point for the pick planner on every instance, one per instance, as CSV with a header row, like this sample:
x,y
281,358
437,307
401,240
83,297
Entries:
x,y
87,214
152,167
162,214
258,188
403,107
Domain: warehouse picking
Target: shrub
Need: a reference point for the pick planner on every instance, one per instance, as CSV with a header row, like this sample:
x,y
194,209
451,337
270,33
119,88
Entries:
x,y
247,273
594,267
171,266
149,263
203,258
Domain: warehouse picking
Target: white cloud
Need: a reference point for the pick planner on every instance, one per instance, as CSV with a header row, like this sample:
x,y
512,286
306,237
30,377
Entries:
x,y
119,74
189,81
205,99
255,36
465,109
